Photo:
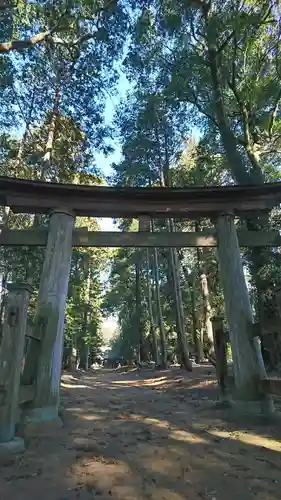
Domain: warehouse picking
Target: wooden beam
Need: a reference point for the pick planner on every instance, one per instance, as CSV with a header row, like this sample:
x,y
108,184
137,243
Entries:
x,y
25,196
84,238
33,237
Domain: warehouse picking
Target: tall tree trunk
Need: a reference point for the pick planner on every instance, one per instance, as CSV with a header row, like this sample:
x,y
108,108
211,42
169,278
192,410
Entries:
x,y
197,334
207,322
180,320
150,308
164,174
5,218
228,138
140,343
208,327
163,342
234,158
155,268
20,152
85,346
47,158
46,166
197,338
3,283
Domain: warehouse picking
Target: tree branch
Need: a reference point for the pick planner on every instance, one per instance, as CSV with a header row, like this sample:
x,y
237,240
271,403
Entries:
x,y
234,90
193,30
232,83
225,42
200,109
273,114
20,45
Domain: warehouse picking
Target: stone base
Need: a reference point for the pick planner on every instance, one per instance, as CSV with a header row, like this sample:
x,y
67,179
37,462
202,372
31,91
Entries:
x,y
10,448
262,407
41,422
46,414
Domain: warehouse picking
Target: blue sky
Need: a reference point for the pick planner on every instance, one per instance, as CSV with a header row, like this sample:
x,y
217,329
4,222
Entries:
x,y
104,163
112,102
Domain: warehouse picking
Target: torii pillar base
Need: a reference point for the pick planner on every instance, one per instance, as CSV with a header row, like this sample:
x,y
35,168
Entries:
x,y
10,448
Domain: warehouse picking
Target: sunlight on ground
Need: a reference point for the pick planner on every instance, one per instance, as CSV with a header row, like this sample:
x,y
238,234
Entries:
x,y
75,386
161,424
165,382
143,438
249,438
156,460
75,409
188,437
150,382
93,417
176,434
103,475
203,384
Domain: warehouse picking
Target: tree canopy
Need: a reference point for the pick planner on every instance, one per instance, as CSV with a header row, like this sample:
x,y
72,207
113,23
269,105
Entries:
x,y
202,108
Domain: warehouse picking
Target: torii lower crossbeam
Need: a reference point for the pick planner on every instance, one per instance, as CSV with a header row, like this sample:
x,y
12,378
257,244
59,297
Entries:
x,y
83,238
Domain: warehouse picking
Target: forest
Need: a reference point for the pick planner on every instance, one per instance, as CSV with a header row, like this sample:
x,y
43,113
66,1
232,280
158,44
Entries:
x,y
168,94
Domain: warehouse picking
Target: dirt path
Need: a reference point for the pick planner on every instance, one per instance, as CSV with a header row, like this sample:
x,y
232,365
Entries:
x,y
146,436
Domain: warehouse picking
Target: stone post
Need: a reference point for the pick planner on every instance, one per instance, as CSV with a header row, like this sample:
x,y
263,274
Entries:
x,y
11,355
50,316
246,354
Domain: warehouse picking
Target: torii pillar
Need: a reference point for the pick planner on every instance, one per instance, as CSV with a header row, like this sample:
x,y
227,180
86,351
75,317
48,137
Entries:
x,y
11,355
246,354
50,316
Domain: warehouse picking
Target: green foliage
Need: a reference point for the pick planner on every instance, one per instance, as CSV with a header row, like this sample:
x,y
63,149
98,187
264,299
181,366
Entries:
x,y
83,319
211,68
222,60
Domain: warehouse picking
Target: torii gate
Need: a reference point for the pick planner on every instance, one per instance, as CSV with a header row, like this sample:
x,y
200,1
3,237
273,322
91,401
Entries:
x,y
63,202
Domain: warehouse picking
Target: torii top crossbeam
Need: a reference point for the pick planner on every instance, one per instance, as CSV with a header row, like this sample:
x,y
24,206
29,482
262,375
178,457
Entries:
x,y
25,196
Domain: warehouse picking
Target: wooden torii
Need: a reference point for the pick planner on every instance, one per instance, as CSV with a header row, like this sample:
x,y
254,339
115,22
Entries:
x,y
63,202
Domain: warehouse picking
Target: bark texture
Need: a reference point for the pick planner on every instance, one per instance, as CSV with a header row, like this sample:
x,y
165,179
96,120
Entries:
x,y
50,311
247,360
11,355
207,313
163,341
150,308
180,319
197,332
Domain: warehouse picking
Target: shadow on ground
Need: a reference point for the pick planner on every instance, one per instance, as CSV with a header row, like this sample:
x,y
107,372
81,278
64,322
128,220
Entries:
x,y
147,435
